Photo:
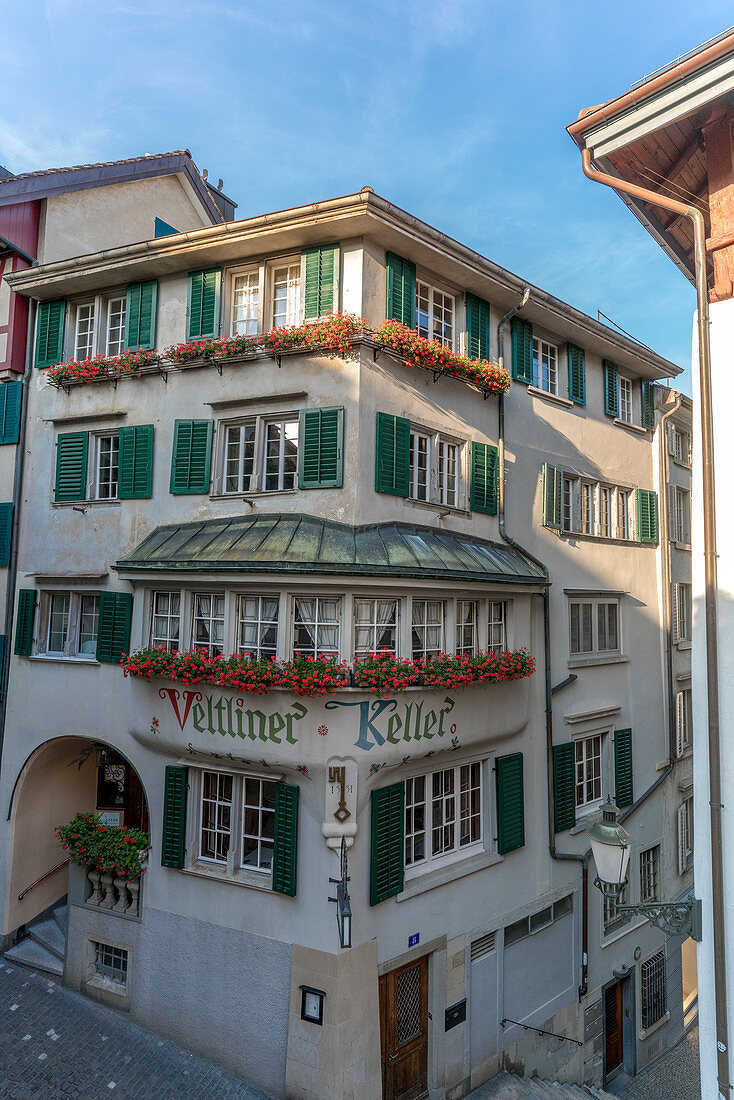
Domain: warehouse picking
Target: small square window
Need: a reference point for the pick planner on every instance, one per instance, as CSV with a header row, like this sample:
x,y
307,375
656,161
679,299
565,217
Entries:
x,y
110,962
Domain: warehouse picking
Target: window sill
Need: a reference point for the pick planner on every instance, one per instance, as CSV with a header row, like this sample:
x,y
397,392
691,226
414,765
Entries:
x,y
571,535
683,645
654,1027
679,462
585,818
448,873
252,497
546,396
250,879
439,509
681,545
55,658
588,662
631,427
84,504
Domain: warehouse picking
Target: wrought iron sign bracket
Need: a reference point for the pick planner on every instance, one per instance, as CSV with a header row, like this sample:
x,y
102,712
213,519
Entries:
x,y
674,918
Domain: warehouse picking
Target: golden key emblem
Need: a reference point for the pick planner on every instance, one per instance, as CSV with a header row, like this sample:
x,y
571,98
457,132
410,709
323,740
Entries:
x,y
338,775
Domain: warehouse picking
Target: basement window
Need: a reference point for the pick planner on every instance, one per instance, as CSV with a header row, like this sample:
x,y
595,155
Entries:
x,y
110,962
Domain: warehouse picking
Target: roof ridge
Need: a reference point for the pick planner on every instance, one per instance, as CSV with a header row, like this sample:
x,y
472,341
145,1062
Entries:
x,y
98,164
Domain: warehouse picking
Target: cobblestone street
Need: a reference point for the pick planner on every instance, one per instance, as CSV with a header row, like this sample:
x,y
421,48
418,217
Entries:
x,y
56,1044
674,1077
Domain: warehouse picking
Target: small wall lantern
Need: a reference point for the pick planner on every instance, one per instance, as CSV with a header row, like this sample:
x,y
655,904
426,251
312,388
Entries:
x,y
312,1004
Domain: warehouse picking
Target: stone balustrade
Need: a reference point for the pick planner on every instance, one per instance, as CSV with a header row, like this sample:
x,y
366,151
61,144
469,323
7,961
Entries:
x,y
117,895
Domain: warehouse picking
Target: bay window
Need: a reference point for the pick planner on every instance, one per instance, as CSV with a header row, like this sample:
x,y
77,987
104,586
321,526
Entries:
x,y
316,622
165,623
208,623
257,628
466,627
375,626
427,628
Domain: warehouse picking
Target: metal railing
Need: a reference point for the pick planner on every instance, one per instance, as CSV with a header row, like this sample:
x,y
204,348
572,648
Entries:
x,y
542,1031
42,878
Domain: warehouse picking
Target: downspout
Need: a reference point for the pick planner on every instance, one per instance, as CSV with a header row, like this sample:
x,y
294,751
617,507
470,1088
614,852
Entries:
x,y
667,601
711,588
582,859
13,562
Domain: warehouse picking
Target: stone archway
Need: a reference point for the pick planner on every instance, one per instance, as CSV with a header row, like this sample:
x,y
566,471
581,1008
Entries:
x,y
60,778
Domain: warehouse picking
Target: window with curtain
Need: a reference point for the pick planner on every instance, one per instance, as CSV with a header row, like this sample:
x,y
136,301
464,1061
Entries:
x,y
257,632
208,623
316,622
427,628
375,626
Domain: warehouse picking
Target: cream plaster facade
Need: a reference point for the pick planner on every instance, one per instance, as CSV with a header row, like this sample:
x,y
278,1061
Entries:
x,y
464,912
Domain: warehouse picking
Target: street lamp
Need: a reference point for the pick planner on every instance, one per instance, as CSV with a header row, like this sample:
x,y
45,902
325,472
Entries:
x,y
610,846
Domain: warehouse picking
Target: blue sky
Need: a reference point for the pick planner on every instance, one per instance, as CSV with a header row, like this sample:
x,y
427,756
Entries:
x,y
453,109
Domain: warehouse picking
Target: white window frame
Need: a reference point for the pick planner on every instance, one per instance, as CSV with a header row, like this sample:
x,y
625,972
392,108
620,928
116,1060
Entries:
x,y
612,920
650,874
424,651
436,300
680,445
374,625
318,622
157,640
626,412
249,272
681,612
294,296
232,866
681,516
117,346
90,308
596,603
74,618
210,619
545,365
463,623
585,504
94,480
437,477
458,851
685,834
683,720
259,475
216,830
260,622
586,757
496,626
259,836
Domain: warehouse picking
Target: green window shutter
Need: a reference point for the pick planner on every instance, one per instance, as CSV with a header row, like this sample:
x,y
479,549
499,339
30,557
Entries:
x,y
647,515
576,374
623,768
113,630
522,350
11,394
192,456
387,845
140,312
611,390
564,786
135,472
552,488
50,333
647,404
392,455
72,449
320,448
285,843
477,327
25,621
204,303
483,478
400,290
320,276
6,532
510,803
173,835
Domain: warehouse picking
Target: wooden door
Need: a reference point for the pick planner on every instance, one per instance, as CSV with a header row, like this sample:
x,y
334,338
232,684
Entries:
x,y
404,1031
613,1015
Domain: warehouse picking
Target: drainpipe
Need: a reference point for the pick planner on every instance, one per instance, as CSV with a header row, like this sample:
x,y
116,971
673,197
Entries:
x,y
667,601
13,562
711,588
582,859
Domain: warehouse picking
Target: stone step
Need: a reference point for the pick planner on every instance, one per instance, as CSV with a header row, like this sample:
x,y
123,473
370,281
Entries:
x,y
48,934
31,954
61,916
505,1086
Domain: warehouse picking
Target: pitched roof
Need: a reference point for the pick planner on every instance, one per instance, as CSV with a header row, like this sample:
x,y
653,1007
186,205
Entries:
x,y
300,543
29,186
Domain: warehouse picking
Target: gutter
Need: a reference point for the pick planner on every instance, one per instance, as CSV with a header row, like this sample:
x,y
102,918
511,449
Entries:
x,y
582,859
8,246
13,562
711,590
667,599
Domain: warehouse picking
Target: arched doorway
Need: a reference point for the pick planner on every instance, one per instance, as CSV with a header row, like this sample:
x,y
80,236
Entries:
x,y
62,777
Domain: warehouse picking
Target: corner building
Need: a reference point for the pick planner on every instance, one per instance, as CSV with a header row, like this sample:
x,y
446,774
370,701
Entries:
x,y
312,501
